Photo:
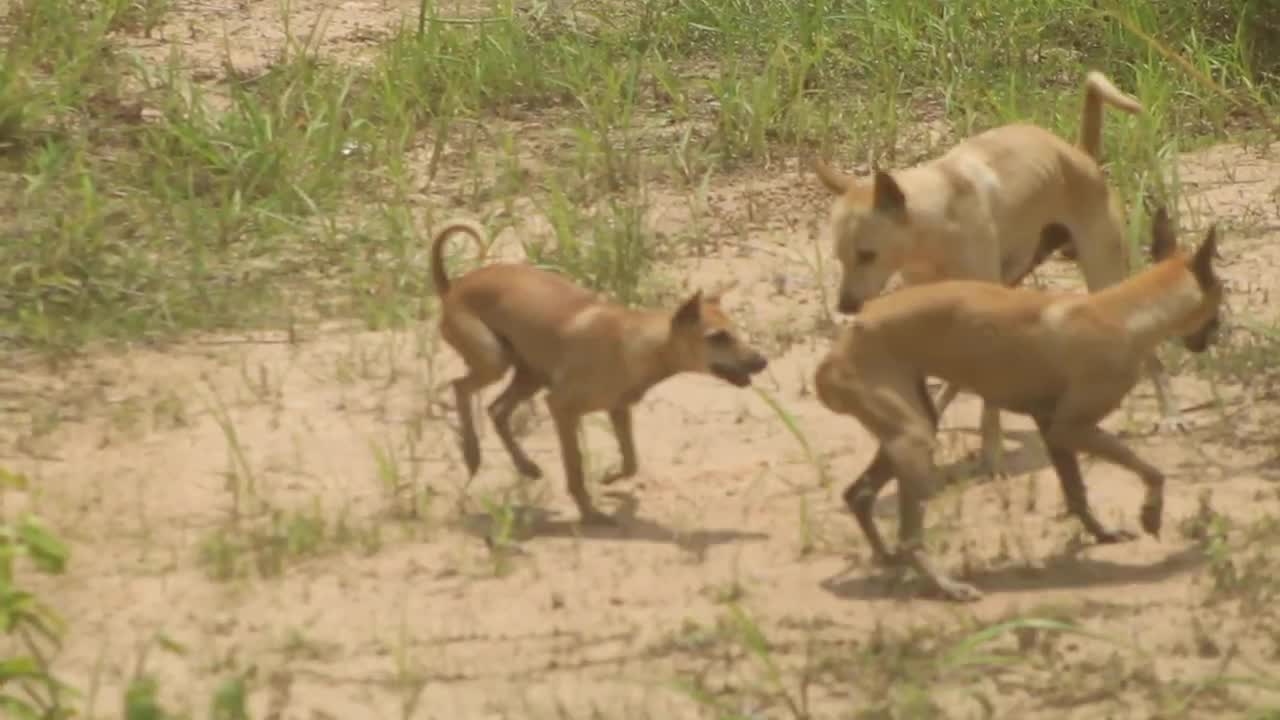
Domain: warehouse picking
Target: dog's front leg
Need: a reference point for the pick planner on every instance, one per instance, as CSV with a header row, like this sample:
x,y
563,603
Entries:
x,y
566,418
992,442
1097,442
1171,419
620,419
1067,467
992,452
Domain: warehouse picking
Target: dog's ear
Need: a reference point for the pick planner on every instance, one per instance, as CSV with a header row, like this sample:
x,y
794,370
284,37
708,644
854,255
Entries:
x,y
888,195
690,312
835,182
1202,263
1164,240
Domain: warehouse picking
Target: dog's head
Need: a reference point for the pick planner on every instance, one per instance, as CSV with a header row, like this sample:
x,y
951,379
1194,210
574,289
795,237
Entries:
x,y
706,341
1200,327
870,231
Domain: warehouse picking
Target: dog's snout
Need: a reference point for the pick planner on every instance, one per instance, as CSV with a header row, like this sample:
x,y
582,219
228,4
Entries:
x,y
757,364
849,305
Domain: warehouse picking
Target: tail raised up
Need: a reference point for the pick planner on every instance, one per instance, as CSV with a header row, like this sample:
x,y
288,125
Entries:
x,y
438,275
1098,91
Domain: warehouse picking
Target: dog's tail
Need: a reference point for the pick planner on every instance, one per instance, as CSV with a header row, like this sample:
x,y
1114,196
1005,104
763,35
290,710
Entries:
x,y
1097,91
834,181
438,275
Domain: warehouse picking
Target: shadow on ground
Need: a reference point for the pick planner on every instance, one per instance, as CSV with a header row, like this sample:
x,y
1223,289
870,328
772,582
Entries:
x,y
529,522
1068,570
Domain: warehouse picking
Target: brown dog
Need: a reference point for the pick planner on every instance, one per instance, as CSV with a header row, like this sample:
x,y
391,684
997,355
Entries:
x,y
589,353
1067,360
977,213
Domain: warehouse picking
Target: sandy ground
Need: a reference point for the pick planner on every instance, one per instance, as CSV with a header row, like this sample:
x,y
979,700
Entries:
x,y
299,511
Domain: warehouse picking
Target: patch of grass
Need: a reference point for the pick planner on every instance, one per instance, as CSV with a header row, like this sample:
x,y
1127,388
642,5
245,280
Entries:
x,y
609,250
29,686
140,205
264,547
801,669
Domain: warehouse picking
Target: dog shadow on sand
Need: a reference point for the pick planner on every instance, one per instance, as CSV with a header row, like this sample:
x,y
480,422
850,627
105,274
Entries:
x,y
1070,569
529,522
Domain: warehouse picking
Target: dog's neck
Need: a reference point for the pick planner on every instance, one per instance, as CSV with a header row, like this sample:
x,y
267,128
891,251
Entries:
x,y
1152,306
648,355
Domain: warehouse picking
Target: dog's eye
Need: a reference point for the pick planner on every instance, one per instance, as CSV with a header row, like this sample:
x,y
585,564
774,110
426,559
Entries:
x,y
719,337
866,257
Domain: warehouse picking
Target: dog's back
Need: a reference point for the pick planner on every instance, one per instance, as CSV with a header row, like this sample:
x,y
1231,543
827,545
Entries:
x,y
988,338
1031,177
526,306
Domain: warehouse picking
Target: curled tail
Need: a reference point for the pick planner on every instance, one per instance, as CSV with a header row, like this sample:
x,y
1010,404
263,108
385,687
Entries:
x,y
835,182
1097,91
438,275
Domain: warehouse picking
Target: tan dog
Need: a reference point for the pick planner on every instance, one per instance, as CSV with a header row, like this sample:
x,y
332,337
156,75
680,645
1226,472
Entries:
x,y
589,353
1067,360
977,212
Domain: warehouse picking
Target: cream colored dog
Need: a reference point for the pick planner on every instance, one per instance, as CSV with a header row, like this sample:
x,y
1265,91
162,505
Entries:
x,y
977,213
1066,360
589,353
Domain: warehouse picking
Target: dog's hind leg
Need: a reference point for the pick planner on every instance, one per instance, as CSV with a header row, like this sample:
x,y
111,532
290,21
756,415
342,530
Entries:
x,y
620,419
524,384
911,456
487,361
906,428
860,498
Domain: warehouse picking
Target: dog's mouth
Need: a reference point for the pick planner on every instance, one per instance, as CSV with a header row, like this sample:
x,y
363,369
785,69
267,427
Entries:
x,y
733,375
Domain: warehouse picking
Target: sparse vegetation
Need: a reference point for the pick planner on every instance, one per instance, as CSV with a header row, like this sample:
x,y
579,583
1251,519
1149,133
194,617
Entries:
x,y
29,685
144,205
170,178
